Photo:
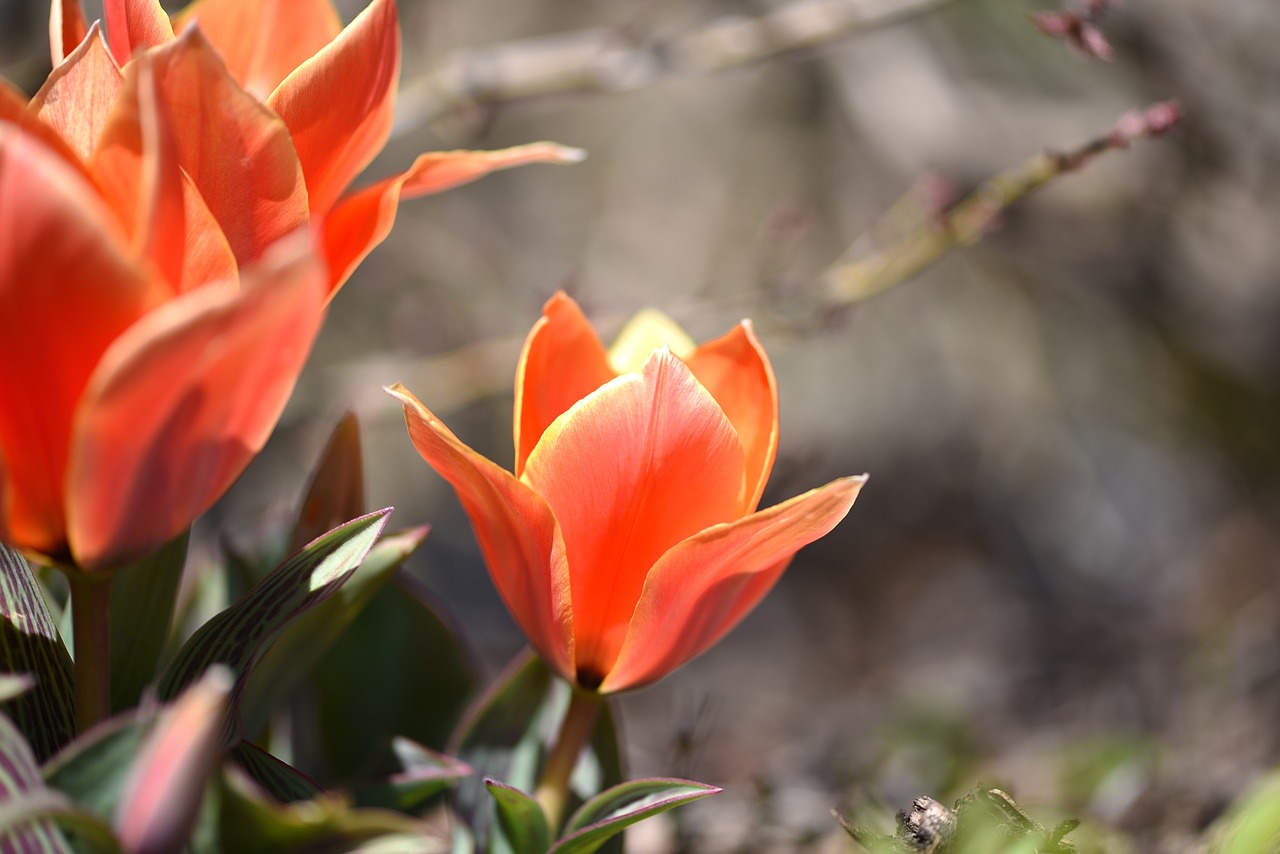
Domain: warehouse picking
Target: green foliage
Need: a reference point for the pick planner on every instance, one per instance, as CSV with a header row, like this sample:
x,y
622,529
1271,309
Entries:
x,y
1252,825
143,598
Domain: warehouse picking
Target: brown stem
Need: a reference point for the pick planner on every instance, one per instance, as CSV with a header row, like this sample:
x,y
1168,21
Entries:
x,y
90,615
579,721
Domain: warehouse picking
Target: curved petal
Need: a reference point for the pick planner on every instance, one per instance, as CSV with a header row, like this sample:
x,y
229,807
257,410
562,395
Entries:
x,y
13,108
135,25
516,530
67,28
735,369
562,362
236,151
135,165
339,104
181,403
362,220
67,290
629,471
262,41
701,588
77,96
645,332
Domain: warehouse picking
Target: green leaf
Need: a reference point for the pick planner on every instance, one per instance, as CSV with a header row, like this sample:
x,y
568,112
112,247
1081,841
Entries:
x,y
1253,822
249,823
506,737
22,792
235,636
423,774
14,685
279,779
336,491
292,657
29,643
520,818
613,810
43,807
142,606
419,689
92,769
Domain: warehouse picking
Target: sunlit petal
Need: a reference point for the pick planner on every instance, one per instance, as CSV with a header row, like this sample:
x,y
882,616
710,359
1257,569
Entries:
x,y
362,220
66,292
183,400
562,362
735,369
134,26
629,471
262,41
701,588
339,104
645,332
516,529
67,28
76,98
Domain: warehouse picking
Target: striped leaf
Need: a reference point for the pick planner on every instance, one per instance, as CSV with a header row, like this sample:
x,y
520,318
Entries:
x,y
609,813
278,779
29,643
236,636
142,604
23,826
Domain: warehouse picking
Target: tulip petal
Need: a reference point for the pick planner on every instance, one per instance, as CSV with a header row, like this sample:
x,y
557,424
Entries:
x,y
77,96
13,108
136,167
701,588
339,104
236,151
362,220
135,25
262,41
66,292
67,28
735,369
516,529
645,332
562,362
630,470
183,400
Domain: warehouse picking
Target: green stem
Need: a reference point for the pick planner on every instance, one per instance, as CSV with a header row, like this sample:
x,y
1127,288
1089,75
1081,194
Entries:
x,y
579,721
90,615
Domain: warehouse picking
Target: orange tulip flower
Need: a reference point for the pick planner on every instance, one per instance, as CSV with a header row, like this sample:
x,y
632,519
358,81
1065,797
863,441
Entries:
x,y
627,540
333,88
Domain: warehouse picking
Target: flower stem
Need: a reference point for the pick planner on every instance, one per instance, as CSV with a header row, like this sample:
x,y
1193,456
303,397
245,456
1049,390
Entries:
x,y
90,614
579,721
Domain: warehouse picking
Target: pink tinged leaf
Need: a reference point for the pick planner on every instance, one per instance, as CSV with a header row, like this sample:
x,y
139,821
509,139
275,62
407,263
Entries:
x,y
735,369
701,588
135,25
183,401
517,533
77,96
67,291
67,28
630,471
166,783
262,41
236,151
562,362
136,167
362,220
339,104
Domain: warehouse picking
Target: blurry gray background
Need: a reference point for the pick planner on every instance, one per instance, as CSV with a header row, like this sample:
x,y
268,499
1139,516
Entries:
x,y
1063,574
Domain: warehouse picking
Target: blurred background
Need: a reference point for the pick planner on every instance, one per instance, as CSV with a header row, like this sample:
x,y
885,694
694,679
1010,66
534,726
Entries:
x,y
1064,575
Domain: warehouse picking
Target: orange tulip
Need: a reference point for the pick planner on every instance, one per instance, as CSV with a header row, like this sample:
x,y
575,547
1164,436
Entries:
x,y
627,540
333,88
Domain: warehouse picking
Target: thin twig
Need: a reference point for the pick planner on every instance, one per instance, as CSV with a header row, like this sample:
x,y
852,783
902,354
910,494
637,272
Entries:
x,y
854,278
607,60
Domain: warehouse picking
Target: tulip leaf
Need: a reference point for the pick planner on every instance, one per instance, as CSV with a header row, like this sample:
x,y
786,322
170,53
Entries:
x,y
29,643
235,636
25,802
610,812
506,736
143,596
291,658
42,808
419,690
423,774
279,779
14,685
336,491
91,770
249,822
520,819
